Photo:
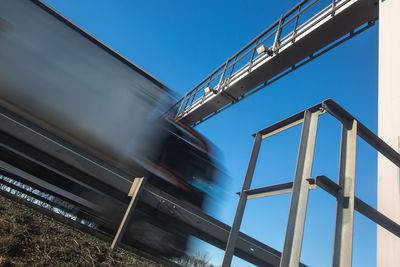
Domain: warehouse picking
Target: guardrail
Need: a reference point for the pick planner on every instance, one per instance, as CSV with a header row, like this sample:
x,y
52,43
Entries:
x,y
60,169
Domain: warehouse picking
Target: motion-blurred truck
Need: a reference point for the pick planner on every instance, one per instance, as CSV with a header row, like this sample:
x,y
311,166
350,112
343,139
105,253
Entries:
x,y
59,78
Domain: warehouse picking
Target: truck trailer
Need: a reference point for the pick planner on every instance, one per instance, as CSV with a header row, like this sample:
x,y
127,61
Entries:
x,y
62,83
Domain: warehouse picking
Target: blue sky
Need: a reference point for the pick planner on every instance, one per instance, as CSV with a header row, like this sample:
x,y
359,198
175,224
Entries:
x,y
180,42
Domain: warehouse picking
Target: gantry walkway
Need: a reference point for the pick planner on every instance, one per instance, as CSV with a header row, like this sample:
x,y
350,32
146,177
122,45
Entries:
x,y
297,37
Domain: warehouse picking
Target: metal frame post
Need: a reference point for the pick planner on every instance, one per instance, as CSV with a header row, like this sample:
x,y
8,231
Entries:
x,y
233,234
278,35
343,246
298,203
134,192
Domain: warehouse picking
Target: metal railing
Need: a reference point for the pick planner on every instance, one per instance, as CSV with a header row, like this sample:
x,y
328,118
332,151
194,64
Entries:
x,y
343,191
268,42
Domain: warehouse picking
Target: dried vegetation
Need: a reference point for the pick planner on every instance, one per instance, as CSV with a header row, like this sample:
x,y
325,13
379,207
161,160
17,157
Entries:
x,y
30,238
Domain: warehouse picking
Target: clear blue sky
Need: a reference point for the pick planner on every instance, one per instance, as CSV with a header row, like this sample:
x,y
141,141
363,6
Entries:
x,y
180,42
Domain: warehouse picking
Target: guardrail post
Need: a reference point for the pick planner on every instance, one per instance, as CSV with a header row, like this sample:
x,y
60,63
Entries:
x,y
223,74
342,251
180,106
298,203
333,7
278,35
296,24
134,192
233,234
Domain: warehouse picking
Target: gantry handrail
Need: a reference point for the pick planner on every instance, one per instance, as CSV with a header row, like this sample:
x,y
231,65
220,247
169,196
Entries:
x,y
272,41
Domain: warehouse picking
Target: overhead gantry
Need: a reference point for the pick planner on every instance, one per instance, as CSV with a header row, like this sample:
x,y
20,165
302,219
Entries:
x,y
297,37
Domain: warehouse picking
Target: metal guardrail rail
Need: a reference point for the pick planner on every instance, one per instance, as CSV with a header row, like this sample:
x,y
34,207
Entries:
x,y
343,191
290,42
35,157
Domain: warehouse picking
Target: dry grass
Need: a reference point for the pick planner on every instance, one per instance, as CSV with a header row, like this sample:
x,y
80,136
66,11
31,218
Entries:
x,y
29,238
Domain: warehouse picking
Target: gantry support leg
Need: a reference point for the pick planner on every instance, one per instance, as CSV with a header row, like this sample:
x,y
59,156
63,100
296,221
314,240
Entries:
x,y
298,203
342,251
231,244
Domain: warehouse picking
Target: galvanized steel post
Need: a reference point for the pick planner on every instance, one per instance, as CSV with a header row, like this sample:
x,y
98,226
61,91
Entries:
x,y
342,251
231,244
298,203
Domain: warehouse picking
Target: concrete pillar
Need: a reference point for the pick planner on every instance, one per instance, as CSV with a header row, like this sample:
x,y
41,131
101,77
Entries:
x,y
388,245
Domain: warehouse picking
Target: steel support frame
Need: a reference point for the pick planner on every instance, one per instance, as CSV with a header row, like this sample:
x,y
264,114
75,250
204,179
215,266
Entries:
x,y
231,244
298,203
344,192
343,244
333,189
269,190
300,188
